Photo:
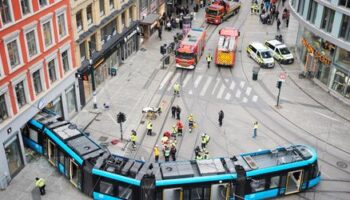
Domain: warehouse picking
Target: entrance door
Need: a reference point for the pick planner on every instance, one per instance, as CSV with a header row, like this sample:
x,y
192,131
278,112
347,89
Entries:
x,y
173,193
52,152
294,180
220,191
310,63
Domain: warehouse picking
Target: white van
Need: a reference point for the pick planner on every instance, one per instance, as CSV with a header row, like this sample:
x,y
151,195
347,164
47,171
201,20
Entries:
x,y
280,51
261,54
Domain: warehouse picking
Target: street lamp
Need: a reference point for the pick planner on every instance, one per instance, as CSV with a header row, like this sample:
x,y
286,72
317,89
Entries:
x,y
93,82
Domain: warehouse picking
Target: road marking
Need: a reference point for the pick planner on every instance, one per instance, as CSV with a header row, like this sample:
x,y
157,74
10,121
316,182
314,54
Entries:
x,y
228,96
233,84
216,85
186,80
198,80
173,81
326,116
226,79
245,99
242,84
206,85
190,92
247,92
238,93
221,92
165,80
255,98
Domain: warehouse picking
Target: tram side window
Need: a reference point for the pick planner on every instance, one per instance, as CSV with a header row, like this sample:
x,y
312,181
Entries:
x,y
274,182
257,185
200,193
107,188
316,170
125,191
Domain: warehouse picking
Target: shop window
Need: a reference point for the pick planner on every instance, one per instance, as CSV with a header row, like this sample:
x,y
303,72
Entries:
x,y
328,18
6,16
257,185
3,108
21,94
13,156
89,14
323,72
345,28
342,58
71,100
340,81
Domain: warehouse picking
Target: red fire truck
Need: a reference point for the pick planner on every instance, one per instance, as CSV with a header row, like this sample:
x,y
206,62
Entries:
x,y
220,10
190,49
225,53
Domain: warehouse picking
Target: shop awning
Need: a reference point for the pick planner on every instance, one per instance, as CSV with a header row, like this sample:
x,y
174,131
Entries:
x,y
150,19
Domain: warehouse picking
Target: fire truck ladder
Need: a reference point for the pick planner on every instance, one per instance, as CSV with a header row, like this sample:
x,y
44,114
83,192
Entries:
x,y
226,43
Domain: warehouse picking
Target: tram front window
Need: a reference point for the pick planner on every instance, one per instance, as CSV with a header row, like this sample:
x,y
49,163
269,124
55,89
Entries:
x,y
186,56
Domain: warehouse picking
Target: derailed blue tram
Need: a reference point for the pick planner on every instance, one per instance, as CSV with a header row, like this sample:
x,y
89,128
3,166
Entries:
x,y
103,176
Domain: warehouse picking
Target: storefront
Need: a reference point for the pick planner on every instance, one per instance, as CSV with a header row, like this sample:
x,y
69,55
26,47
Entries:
x,y
328,63
149,25
13,155
109,58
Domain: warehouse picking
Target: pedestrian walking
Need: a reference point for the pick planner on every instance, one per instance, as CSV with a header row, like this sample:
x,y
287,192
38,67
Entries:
x,y
179,127
287,21
209,58
149,128
255,129
197,150
160,32
167,154
40,183
277,14
221,117
173,152
177,89
156,153
173,111
278,24
133,138
174,132
178,112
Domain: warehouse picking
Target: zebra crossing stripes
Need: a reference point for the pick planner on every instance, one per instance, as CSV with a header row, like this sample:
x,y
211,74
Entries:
x,y
245,100
238,93
242,84
255,98
162,84
198,80
228,96
184,83
173,81
221,92
206,85
216,85
247,92
232,86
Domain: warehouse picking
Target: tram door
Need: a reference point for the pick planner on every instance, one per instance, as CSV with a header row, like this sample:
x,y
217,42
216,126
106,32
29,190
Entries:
x,y
173,193
294,180
52,152
74,173
220,191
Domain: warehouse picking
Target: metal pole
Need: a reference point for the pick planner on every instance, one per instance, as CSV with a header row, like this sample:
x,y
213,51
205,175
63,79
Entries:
x,y
121,131
93,83
278,96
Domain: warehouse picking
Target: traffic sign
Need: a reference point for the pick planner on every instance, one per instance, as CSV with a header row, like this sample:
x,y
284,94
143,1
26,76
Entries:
x,y
283,76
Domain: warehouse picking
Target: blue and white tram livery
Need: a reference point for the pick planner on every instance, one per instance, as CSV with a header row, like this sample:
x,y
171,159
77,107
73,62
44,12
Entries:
x,y
97,173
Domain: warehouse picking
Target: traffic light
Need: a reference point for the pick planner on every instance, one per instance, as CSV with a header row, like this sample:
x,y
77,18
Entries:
x,y
121,117
279,84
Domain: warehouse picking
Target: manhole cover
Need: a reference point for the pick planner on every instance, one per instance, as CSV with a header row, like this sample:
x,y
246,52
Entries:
x,y
102,139
342,164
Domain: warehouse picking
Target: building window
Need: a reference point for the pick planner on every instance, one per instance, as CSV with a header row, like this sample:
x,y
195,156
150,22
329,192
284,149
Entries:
x,y
111,4
37,82
328,18
62,28
341,83
312,12
108,30
71,100
65,61
14,53
79,20
52,70
301,6
345,28
342,58
89,14
42,3
345,3
31,43
20,94
92,43
25,5
47,31
3,108
102,7
5,10
82,51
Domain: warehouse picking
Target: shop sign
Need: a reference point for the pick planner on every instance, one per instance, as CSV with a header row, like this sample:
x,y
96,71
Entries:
x,y
130,35
318,55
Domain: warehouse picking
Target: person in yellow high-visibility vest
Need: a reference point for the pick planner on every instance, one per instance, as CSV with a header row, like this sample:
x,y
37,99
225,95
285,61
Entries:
x,y
156,153
177,89
149,128
133,138
40,183
209,58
